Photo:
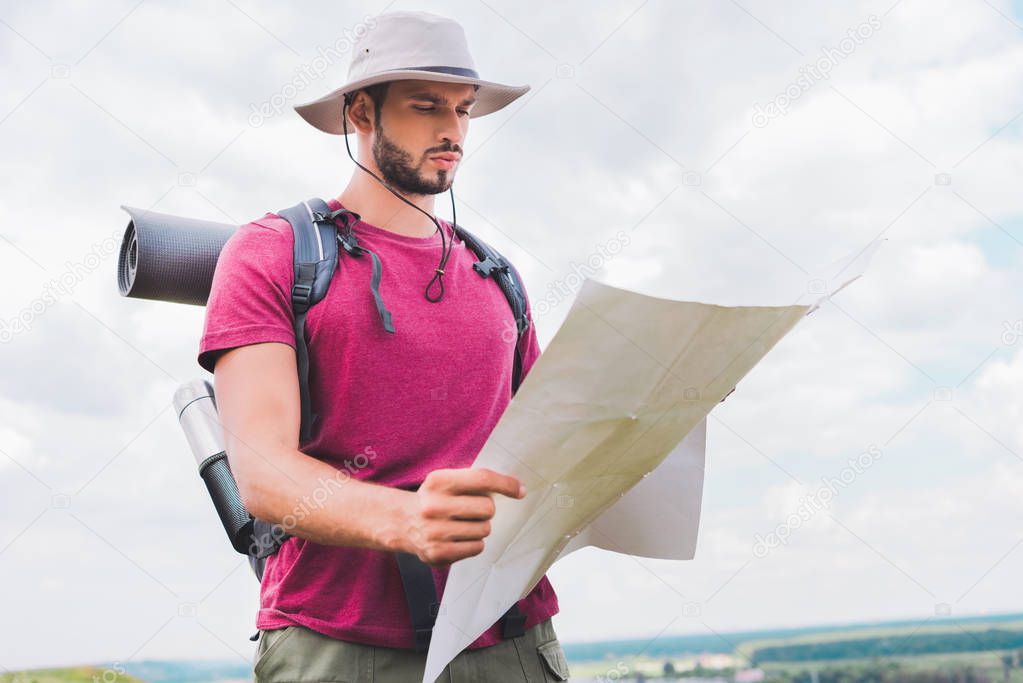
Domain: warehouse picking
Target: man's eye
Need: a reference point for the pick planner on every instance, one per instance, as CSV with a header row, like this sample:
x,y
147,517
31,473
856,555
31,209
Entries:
x,y
460,111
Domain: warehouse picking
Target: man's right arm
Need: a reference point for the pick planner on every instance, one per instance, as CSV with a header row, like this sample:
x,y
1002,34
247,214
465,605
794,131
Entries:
x,y
257,397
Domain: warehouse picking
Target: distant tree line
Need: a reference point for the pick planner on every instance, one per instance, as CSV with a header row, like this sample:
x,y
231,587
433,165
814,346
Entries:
x,y
888,646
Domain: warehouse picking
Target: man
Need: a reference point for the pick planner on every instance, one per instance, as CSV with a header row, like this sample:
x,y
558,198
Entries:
x,y
403,409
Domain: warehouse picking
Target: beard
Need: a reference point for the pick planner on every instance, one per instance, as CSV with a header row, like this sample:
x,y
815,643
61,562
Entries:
x,y
400,171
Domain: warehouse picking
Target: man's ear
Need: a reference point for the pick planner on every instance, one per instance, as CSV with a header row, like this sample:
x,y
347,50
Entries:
x,y
360,108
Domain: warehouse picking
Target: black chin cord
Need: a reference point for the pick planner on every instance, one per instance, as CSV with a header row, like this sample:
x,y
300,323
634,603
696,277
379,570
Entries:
x,y
445,248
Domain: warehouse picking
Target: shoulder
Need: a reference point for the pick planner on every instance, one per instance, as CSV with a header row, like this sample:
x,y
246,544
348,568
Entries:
x,y
260,249
273,222
268,235
271,226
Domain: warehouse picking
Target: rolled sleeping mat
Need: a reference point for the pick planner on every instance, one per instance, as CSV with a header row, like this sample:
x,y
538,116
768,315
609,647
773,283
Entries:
x,y
169,258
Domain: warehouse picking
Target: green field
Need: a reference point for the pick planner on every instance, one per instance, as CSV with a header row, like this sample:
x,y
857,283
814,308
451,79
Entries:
x,y
922,639
78,674
989,663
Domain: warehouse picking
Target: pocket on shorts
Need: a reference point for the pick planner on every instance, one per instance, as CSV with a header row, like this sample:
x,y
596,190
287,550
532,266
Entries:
x,y
269,643
555,666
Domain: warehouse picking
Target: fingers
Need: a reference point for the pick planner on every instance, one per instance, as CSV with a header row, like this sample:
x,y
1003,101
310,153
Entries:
x,y
448,553
459,507
454,511
461,531
478,481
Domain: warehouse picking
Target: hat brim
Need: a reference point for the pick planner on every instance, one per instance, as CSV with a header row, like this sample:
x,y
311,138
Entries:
x,y
325,113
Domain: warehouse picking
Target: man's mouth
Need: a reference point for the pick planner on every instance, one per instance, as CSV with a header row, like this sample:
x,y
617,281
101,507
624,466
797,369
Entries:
x,y
446,161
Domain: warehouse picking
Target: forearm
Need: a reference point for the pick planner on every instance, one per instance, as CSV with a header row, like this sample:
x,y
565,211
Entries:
x,y
316,501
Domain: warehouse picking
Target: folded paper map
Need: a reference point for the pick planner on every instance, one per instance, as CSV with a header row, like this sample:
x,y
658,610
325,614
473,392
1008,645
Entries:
x,y
608,434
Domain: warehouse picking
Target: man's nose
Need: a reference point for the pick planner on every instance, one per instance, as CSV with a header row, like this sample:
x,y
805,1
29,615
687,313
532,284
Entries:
x,y
451,131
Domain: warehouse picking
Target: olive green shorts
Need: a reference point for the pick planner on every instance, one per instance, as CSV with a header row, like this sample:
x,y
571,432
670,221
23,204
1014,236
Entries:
x,y
296,654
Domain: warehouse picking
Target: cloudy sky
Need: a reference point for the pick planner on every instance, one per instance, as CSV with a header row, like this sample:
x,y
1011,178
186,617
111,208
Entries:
x,y
742,145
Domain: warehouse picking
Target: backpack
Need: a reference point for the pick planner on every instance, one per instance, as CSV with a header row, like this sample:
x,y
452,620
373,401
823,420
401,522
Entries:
x,y
316,258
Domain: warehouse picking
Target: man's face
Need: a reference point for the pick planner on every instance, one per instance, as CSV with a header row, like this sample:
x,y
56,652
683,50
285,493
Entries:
x,y
419,120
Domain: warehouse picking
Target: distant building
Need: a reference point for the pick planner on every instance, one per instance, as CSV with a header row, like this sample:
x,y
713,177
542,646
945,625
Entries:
x,y
716,661
749,676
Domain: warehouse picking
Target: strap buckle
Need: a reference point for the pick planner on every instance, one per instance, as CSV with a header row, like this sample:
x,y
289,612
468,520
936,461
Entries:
x,y
423,638
301,294
350,243
514,624
487,266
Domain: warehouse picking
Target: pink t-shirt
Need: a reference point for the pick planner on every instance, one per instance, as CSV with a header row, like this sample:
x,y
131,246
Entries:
x,y
392,407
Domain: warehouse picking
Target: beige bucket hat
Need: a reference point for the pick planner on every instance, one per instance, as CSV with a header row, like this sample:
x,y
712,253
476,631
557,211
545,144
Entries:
x,y
409,45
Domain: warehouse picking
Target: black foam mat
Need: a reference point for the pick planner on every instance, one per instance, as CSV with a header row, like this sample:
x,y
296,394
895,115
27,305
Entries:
x,y
169,258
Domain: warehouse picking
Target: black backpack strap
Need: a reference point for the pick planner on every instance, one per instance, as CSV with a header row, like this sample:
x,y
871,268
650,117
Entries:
x,y
513,623
315,261
350,243
315,256
420,596
423,604
522,323
266,539
492,264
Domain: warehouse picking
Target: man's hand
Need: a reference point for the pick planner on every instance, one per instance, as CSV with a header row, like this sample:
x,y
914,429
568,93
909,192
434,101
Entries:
x,y
449,515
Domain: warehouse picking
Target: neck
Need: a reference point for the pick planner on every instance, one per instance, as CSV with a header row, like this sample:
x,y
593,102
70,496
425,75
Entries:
x,y
377,206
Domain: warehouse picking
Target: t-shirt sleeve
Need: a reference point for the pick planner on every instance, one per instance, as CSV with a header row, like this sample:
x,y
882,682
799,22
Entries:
x,y
250,297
